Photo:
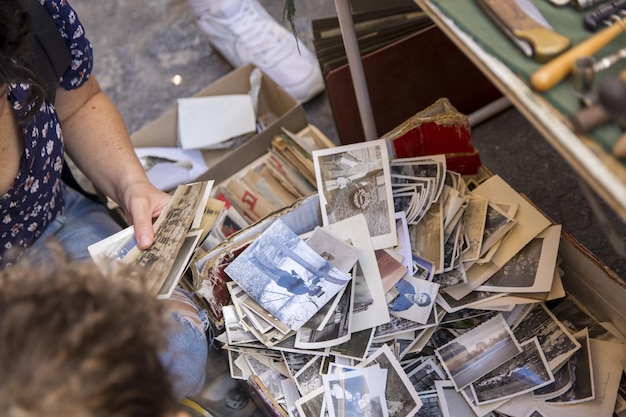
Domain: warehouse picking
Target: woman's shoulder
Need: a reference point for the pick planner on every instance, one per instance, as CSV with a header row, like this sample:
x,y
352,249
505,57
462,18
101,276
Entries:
x,y
73,31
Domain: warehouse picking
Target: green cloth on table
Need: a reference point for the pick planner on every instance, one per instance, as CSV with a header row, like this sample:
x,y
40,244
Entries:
x,y
470,18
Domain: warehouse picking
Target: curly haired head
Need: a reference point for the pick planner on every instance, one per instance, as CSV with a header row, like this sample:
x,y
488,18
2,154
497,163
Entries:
x,y
75,344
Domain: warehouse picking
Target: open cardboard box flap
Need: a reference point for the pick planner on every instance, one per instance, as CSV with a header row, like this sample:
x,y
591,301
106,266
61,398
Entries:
x,y
275,103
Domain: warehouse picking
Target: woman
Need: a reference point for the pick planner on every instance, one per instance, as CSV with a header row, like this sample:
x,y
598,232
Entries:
x,y
36,204
84,122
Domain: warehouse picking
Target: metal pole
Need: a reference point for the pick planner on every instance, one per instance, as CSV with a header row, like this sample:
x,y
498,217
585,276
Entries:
x,y
344,14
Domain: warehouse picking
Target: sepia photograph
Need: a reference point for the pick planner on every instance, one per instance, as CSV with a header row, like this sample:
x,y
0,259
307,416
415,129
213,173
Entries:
x,y
390,268
285,276
531,269
355,179
521,374
478,351
427,236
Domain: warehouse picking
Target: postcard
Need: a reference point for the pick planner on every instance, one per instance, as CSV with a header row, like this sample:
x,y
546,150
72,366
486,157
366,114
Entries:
x,y
285,276
354,179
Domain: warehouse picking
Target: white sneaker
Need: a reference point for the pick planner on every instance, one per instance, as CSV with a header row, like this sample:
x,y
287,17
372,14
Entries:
x,y
243,32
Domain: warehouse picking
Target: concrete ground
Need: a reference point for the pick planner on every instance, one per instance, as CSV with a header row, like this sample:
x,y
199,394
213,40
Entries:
x,y
140,45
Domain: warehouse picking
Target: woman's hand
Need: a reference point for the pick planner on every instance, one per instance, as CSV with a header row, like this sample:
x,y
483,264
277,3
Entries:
x,y
142,203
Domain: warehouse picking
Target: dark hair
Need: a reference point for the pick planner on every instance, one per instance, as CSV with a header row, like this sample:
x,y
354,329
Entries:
x,y
16,37
74,343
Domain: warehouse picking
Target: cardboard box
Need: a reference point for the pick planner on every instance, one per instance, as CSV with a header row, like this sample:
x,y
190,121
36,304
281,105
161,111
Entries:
x,y
584,276
279,108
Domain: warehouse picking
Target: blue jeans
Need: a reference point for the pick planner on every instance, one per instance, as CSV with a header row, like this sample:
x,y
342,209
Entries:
x,y
84,222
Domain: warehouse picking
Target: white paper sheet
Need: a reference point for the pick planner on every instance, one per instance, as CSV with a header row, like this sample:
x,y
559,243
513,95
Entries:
x,y
206,121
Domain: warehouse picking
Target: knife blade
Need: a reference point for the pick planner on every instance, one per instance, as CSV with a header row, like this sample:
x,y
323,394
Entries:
x,y
524,24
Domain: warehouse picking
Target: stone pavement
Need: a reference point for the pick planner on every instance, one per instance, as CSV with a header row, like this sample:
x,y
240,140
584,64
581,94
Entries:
x,y
141,45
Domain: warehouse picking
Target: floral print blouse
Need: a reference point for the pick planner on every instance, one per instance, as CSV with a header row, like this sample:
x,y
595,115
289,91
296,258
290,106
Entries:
x,y
35,198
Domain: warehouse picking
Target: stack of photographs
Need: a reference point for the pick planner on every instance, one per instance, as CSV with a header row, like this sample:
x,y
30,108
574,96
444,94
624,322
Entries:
x,y
419,292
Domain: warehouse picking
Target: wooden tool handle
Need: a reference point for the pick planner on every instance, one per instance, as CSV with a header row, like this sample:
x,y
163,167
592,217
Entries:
x,y
558,68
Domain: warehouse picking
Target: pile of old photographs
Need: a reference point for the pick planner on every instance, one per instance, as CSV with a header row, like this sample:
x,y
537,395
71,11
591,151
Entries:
x,y
423,293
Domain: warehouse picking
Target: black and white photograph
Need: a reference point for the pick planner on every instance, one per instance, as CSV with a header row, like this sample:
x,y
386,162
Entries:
x,y
422,268
572,315
398,325
563,380
415,299
583,388
337,252
355,179
285,276
497,225
452,305
521,374
235,332
355,393
312,404
335,331
430,406
556,341
370,307
402,399
474,218
355,348
531,269
452,403
423,376
478,351
403,248
308,378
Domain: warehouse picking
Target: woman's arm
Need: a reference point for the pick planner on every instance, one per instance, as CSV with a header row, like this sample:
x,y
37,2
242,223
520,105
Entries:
x,y
96,139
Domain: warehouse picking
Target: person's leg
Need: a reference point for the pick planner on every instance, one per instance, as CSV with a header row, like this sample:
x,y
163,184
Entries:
x,y
188,348
82,223
243,32
85,222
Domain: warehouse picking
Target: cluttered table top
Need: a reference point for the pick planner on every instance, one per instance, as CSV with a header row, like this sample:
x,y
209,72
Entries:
x,y
555,110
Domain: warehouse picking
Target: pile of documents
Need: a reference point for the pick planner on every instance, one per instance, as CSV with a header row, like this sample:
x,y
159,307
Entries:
x,y
402,289
275,180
